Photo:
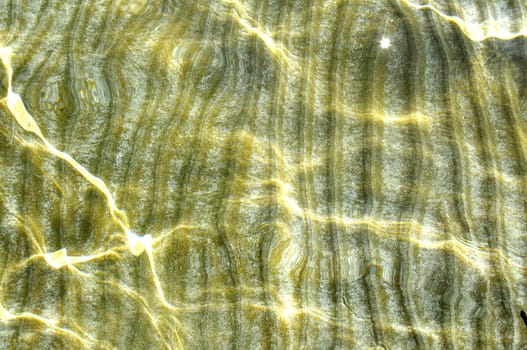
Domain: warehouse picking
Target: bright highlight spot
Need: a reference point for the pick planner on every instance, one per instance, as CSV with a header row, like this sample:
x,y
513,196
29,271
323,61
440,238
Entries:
x,y
385,43
57,259
137,244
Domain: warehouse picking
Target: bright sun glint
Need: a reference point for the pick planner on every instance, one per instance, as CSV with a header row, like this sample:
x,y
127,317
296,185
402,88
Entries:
x,y
385,43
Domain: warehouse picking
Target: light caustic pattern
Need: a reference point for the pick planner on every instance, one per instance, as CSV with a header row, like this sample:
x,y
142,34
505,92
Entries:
x,y
201,174
60,259
492,28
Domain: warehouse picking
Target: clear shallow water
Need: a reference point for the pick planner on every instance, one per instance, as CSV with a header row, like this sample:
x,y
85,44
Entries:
x,y
227,174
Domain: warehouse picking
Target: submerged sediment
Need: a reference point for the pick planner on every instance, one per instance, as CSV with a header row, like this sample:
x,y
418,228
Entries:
x,y
263,174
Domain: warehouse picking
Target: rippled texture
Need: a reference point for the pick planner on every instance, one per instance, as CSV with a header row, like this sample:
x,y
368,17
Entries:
x,y
263,174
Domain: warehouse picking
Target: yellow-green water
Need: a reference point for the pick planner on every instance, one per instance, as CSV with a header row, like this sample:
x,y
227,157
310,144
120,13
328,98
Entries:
x,y
263,174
